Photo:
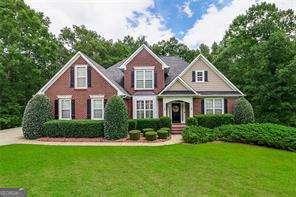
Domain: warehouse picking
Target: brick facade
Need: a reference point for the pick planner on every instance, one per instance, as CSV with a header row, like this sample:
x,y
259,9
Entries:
x,y
143,58
62,87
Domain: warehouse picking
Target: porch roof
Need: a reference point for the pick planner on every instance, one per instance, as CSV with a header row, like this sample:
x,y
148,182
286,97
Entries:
x,y
179,92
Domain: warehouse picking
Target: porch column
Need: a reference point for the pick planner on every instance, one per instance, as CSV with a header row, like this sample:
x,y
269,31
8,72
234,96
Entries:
x,y
164,102
191,107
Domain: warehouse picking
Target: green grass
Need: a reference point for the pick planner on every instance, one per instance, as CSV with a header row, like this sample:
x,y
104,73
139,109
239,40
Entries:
x,y
216,169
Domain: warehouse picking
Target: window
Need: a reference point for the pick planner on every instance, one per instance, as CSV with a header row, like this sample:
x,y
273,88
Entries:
x,y
65,109
81,76
214,106
97,108
200,76
144,109
144,79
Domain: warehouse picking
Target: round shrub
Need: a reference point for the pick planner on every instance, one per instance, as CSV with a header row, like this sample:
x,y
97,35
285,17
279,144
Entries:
x,y
37,112
165,128
243,112
116,119
197,135
162,134
147,130
151,135
134,134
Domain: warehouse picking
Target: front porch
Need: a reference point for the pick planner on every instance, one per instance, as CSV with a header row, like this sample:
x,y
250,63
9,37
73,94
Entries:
x,y
178,108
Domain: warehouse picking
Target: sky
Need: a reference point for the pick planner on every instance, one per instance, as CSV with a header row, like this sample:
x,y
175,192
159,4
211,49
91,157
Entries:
x,y
192,22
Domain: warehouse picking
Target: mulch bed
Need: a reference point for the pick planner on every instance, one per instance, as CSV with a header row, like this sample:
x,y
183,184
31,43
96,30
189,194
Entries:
x,y
98,139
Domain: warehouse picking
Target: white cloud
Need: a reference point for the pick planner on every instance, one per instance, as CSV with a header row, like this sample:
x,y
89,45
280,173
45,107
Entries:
x,y
212,26
186,9
108,17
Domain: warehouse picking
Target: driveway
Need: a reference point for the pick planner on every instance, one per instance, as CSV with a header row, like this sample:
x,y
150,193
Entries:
x,y
10,136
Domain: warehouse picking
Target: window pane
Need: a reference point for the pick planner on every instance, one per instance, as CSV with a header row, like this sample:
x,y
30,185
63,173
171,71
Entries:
x,y
98,104
218,111
65,104
218,103
140,104
140,74
81,82
65,113
209,111
140,113
98,113
81,71
149,104
199,74
209,103
148,84
148,74
149,113
140,84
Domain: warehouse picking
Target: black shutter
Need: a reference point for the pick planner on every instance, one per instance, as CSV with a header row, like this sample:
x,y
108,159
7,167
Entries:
x,y
155,79
105,103
206,76
225,106
71,77
89,76
56,109
88,108
193,76
132,78
73,108
202,106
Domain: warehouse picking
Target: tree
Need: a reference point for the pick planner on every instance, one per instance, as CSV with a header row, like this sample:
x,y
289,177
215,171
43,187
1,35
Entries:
x,y
116,119
29,55
37,112
257,54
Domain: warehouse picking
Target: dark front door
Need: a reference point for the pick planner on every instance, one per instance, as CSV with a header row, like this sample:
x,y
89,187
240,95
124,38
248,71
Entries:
x,y
176,112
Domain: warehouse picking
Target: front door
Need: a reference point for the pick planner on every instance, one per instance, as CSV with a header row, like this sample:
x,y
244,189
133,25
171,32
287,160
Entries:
x,y
176,112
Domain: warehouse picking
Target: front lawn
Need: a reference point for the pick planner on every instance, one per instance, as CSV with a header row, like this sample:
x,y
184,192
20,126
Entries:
x,y
215,169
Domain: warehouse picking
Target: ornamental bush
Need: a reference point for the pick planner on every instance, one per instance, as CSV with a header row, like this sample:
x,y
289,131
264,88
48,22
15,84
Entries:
x,y
162,134
116,119
197,135
151,135
165,122
74,128
147,130
10,121
134,134
191,121
265,134
243,112
132,124
37,112
210,120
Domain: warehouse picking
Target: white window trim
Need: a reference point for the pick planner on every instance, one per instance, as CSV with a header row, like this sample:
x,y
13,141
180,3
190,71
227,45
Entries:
x,y
135,79
203,76
75,76
96,97
60,108
213,105
146,97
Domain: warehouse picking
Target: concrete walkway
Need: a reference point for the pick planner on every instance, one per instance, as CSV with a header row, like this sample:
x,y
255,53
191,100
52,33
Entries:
x,y
11,136
15,136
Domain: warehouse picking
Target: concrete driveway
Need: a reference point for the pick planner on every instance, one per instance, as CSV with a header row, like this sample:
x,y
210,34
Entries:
x,y
11,136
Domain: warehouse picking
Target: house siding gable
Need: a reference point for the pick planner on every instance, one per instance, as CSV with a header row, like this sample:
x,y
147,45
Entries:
x,y
215,82
143,58
99,86
177,86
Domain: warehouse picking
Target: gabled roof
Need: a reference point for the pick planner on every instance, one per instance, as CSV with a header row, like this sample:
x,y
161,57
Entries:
x,y
178,78
102,71
123,66
204,59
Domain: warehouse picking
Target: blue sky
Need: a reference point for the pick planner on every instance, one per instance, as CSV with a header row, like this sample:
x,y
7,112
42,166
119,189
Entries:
x,y
191,21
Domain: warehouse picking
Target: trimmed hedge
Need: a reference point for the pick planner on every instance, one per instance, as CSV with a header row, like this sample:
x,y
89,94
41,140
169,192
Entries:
x,y
37,112
147,130
151,135
74,128
266,134
7,122
243,112
132,123
210,121
134,134
163,134
116,119
197,135
154,123
165,122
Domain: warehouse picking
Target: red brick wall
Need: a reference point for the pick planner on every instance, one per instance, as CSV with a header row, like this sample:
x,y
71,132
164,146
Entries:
x,y
62,87
230,104
196,106
129,106
143,58
160,107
